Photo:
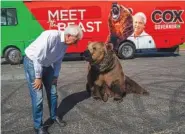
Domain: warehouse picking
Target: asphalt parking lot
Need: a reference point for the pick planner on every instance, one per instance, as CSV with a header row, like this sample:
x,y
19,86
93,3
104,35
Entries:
x,y
162,112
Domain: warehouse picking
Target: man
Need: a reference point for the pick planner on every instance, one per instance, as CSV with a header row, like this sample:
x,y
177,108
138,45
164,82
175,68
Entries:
x,y
42,65
140,38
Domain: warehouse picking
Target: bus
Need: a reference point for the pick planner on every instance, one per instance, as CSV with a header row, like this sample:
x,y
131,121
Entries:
x,y
131,26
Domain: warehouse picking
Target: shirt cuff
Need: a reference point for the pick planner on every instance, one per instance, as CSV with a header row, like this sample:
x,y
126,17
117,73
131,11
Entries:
x,y
38,69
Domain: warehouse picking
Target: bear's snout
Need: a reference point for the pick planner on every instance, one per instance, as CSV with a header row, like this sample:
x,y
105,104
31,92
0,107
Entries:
x,y
87,55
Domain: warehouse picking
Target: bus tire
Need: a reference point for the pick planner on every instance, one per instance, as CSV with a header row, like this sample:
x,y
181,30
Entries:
x,y
13,56
126,50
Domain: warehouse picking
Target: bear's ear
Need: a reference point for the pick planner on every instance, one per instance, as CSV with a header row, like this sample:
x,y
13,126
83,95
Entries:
x,y
130,10
109,46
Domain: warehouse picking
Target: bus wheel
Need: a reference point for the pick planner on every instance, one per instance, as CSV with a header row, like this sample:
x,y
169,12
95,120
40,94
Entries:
x,y
13,56
126,50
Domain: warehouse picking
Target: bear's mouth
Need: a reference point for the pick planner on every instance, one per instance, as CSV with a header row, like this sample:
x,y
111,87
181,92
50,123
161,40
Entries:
x,y
115,12
87,56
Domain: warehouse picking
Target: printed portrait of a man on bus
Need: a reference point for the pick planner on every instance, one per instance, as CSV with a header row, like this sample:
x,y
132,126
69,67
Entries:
x,y
140,38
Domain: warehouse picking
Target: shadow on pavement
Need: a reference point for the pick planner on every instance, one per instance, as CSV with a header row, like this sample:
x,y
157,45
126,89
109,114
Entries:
x,y
68,103
149,55
3,62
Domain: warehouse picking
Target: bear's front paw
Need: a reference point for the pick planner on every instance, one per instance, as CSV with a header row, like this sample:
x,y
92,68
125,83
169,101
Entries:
x,y
118,100
96,98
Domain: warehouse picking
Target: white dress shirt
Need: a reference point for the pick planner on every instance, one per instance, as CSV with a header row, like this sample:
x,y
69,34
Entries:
x,y
48,49
144,41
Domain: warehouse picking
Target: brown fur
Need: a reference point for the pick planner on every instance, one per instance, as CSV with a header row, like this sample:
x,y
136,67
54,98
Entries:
x,y
121,28
108,80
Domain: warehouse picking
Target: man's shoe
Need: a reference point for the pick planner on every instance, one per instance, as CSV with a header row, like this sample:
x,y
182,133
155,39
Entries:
x,y
41,131
60,122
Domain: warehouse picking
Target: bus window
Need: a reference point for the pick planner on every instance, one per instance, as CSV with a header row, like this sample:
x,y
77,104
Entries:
x,y
8,17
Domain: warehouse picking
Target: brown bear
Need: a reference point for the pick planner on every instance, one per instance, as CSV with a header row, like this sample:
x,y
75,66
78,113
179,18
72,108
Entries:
x,y
105,74
120,24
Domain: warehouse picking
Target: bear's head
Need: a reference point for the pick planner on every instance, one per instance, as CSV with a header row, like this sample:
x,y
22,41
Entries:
x,y
118,12
96,51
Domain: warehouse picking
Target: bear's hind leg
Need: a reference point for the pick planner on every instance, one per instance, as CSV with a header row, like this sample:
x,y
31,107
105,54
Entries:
x,y
118,93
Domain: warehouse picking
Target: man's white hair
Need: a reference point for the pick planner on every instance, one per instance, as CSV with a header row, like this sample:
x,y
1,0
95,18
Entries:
x,y
74,30
142,15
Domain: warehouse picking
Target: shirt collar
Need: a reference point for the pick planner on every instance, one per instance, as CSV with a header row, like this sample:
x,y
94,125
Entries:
x,y
142,34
